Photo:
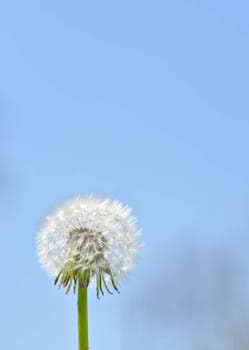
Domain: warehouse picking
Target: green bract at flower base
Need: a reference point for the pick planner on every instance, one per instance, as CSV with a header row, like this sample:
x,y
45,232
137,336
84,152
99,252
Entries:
x,y
68,277
88,239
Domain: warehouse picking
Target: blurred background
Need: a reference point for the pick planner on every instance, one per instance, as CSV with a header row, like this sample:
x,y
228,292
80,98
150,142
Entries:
x,y
146,102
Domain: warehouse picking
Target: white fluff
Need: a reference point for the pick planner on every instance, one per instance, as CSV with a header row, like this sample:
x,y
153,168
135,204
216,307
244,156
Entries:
x,y
89,233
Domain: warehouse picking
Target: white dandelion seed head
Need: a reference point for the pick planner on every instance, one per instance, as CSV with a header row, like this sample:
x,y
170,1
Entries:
x,y
87,238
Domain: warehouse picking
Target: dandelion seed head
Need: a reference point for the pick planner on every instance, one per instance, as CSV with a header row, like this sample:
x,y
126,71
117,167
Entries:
x,y
88,238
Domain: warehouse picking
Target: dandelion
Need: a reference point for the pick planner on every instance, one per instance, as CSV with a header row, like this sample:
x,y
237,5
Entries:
x,y
88,240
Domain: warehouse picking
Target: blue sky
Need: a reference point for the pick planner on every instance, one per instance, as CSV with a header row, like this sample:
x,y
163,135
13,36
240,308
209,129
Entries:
x,y
146,102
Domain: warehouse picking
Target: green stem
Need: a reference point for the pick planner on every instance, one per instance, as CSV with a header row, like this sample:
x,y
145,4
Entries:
x,y
82,319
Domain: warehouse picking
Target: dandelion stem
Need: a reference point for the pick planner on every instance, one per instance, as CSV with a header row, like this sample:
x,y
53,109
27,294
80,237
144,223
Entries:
x,y
82,319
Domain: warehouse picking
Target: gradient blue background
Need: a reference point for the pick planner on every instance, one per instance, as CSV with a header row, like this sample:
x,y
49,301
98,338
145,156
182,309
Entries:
x,y
143,101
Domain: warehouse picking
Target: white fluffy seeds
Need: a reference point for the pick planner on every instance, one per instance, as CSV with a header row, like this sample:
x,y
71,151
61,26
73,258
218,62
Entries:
x,y
88,237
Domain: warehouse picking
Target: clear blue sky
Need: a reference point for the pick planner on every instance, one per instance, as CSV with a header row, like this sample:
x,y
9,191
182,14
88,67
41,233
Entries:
x,y
144,101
